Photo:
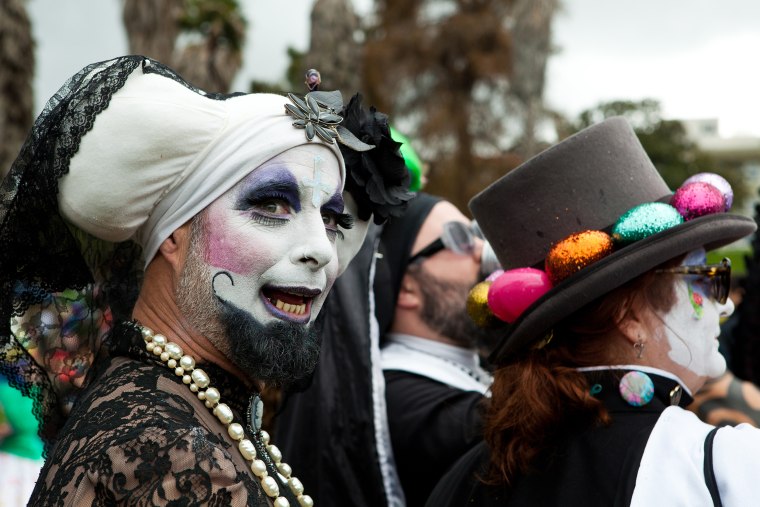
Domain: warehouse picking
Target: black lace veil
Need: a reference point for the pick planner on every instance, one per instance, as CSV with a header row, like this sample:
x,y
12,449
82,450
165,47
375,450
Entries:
x,y
62,287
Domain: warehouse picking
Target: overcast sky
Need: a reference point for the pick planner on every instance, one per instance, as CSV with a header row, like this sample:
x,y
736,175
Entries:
x,y
698,57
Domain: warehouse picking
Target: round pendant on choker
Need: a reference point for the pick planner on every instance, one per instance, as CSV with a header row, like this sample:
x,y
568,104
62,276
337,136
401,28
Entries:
x,y
636,388
199,383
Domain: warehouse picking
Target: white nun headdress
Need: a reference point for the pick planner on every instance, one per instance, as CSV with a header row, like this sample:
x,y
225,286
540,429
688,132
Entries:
x,y
161,152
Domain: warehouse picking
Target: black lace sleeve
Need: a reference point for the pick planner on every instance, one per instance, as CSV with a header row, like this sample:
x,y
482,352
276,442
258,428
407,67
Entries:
x,y
31,230
129,441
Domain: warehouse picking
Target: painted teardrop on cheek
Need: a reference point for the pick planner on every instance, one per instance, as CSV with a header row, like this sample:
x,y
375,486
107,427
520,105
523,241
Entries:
x,y
232,245
697,301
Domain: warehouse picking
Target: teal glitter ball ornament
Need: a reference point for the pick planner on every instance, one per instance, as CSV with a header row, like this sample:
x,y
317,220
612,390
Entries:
x,y
643,221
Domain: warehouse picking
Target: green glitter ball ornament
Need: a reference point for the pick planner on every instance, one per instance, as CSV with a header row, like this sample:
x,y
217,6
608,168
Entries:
x,y
643,221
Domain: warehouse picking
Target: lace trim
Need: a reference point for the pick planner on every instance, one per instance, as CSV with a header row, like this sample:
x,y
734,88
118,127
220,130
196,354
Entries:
x,y
126,340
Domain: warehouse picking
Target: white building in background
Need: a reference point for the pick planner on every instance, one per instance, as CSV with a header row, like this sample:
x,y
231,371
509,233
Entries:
x,y
744,150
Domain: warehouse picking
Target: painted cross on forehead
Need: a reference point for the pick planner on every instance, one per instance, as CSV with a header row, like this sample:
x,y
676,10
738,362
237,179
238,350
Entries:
x,y
316,184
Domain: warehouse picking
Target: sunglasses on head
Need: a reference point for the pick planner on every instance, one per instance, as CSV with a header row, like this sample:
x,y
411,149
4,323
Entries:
x,y
457,237
719,276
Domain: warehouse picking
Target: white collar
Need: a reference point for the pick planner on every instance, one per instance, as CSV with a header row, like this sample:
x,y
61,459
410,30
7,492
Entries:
x,y
461,355
457,367
645,369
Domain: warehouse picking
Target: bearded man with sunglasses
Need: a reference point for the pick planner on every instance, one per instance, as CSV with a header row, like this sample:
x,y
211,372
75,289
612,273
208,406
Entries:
x,y
434,381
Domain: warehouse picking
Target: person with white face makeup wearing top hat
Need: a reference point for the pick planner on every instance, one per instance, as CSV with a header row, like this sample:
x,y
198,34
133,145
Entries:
x,y
199,234
613,319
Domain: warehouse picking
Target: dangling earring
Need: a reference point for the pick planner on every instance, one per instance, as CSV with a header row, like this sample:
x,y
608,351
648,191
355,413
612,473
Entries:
x,y
639,347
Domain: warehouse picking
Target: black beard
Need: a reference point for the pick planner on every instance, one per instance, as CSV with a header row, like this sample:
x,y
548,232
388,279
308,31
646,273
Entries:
x,y
279,354
444,310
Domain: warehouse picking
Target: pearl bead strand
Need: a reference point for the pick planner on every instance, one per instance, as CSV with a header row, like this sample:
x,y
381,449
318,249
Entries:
x,y
199,382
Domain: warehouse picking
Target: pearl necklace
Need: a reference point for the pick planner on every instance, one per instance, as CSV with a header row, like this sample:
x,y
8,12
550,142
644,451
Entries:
x,y
199,382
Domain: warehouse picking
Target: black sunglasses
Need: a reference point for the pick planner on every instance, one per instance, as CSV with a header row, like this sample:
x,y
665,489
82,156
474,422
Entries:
x,y
718,274
457,237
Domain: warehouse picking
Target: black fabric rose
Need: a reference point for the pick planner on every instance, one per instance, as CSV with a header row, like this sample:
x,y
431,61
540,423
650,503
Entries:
x,y
378,179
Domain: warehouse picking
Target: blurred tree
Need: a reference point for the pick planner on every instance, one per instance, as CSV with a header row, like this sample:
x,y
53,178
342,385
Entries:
x,y
294,77
153,27
296,73
257,86
441,69
531,47
215,56
16,73
672,152
334,50
201,39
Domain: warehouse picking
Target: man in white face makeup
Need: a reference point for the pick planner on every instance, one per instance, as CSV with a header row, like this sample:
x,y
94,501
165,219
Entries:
x,y
260,262
208,230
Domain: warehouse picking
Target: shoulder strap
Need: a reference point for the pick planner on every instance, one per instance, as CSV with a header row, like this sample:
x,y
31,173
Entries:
x,y
712,485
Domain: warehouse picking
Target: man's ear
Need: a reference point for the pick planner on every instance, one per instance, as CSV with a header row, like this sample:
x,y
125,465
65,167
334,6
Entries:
x,y
409,296
174,248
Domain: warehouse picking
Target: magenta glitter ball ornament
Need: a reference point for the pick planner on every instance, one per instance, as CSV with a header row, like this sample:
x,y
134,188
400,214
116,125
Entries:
x,y
698,199
515,290
718,182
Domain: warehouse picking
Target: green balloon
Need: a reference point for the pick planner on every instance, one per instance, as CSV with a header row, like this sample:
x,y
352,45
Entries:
x,y
413,162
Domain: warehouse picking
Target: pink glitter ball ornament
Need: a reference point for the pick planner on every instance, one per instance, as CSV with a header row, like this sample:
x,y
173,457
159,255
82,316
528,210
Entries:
x,y
515,290
718,182
697,199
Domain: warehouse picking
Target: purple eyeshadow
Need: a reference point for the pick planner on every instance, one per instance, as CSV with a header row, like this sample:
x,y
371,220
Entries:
x,y
335,204
267,182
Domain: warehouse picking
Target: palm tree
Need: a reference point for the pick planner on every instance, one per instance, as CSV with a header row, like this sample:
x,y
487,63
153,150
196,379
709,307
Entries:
x,y
213,30
16,73
443,73
215,53
334,50
531,47
153,27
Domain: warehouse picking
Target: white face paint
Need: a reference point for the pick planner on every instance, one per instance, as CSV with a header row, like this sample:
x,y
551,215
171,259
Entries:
x,y
270,240
353,238
692,325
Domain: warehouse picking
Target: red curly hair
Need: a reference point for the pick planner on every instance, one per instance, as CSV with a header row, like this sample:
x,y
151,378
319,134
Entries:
x,y
540,397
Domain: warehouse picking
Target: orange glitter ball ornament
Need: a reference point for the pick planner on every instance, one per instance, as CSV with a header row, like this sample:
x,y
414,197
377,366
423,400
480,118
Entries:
x,y
575,252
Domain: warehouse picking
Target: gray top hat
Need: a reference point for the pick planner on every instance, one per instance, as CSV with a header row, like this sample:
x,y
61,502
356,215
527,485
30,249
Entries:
x,y
586,182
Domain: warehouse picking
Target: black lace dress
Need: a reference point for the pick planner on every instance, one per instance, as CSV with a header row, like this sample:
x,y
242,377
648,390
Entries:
x,y
139,436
